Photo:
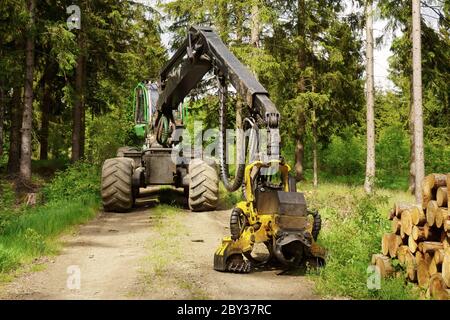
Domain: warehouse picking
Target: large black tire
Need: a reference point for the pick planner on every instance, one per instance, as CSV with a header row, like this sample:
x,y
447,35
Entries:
x,y
203,186
117,189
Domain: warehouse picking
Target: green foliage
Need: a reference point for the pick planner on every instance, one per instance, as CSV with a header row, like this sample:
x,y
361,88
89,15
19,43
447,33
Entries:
x,y
72,198
30,234
435,65
81,180
343,158
392,157
345,154
3,161
353,224
34,240
7,195
7,203
107,133
437,157
8,259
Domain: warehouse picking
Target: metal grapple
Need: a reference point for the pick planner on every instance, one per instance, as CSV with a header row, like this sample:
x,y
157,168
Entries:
x,y
273,214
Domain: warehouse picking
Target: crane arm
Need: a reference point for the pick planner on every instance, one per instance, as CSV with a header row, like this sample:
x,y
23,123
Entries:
x,y
201,52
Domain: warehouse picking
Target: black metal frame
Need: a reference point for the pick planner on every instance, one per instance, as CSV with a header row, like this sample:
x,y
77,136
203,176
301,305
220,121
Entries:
x,y
201,52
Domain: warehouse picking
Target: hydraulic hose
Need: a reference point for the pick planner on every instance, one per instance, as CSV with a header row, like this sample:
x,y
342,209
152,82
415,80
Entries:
x,y
231,186
137,100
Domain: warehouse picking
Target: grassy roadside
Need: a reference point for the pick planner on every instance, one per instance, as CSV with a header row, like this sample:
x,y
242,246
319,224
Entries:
x,y
353,224
27,233
352,229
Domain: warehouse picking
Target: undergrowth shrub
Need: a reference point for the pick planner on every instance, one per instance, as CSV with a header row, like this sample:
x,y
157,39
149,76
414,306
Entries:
x,y
437,157
392,158
107,133
80,180
345,155
351,234
71,198
8,259
7,202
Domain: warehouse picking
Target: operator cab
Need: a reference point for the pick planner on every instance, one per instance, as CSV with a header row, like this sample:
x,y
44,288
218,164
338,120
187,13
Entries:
x,y
145,99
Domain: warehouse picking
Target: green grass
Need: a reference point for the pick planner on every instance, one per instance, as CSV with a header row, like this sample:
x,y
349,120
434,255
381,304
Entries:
x,y
27,233
31,234
353,224
392,182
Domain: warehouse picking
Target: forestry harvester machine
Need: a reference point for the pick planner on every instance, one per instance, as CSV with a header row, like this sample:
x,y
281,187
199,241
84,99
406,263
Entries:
x,y
273,214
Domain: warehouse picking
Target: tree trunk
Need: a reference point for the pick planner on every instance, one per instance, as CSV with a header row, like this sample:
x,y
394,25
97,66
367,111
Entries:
x,y
421,233
437,288
314,136
27,120
15,141
83,127
43,135
300,150
399,207
442,196
446,267
384,265
448,187
432,267
411,268
47,101
385,240
239,22
2,112
430,246
394,244
417,98
401,253
441,217
407,223
439,256
412,245
370,162
430,185
431,212
412,158
396,225
390,242
78,109
240,135
223,15
418,216
255,25
301,60
423,276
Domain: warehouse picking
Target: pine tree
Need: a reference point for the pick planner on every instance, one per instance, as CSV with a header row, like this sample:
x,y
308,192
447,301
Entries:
x,y
26,151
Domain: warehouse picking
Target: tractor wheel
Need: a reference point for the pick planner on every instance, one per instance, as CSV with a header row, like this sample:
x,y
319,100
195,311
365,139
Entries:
x,y
203,186
117,189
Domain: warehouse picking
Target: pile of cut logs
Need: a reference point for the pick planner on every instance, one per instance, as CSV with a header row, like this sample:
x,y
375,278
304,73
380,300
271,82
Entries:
x,y
420,239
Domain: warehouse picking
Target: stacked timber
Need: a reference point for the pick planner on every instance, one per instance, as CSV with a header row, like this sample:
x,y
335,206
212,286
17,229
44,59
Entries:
x,y
420,239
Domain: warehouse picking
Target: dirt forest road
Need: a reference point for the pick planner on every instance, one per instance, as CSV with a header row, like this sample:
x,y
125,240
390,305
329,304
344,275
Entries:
x,y
154,252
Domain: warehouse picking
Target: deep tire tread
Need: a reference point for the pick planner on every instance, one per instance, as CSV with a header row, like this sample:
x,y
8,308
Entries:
x,y
117,195
203,187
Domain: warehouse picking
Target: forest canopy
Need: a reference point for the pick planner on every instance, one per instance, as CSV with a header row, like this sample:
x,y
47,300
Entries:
x,y
310,55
